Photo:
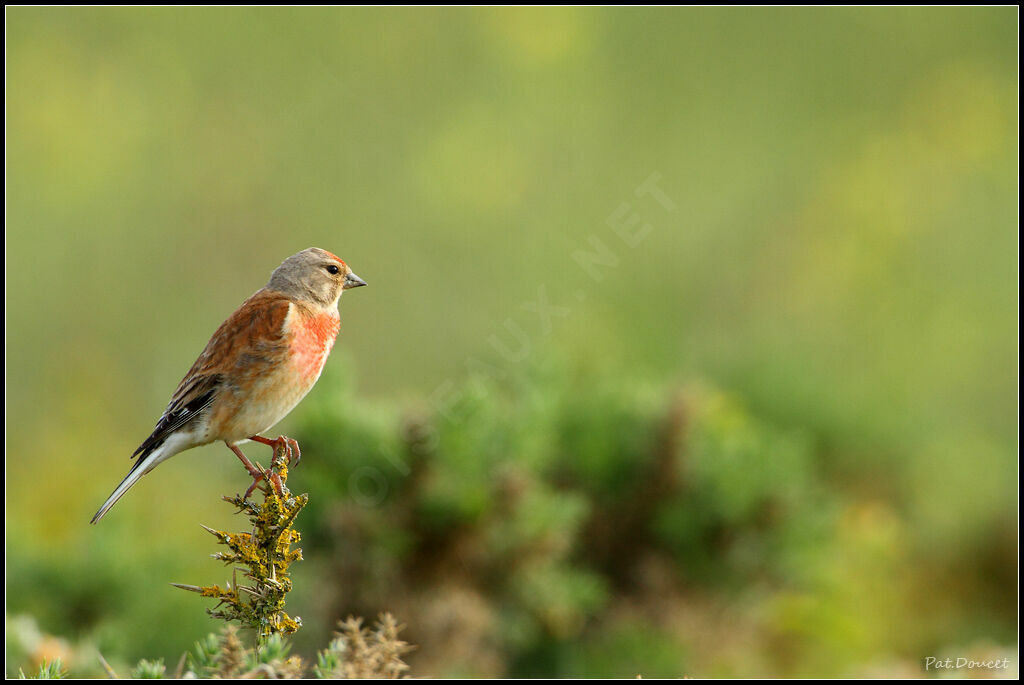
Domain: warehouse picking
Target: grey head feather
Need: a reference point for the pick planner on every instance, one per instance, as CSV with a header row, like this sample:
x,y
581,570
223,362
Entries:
x,y
305,276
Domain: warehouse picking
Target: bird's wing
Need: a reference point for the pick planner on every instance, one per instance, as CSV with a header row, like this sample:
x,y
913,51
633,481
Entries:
x,y
250,340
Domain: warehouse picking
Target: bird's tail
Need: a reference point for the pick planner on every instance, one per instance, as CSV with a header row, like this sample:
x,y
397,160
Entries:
x,y
146,462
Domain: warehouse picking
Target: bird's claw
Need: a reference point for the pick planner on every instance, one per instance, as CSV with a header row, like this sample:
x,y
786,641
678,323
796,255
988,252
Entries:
x,y
284,447
289,447
257,477
293,452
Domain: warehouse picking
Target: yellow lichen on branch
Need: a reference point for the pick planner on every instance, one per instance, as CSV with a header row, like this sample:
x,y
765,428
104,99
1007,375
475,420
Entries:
x,y
263,555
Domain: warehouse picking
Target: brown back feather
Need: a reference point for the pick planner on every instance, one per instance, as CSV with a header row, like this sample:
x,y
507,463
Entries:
x,y
253,336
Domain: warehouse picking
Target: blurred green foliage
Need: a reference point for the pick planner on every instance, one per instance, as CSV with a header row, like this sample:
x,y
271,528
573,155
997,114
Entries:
x,y
778,438
575,523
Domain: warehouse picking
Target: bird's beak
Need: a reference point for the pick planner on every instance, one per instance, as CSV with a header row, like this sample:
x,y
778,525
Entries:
x,y
353,281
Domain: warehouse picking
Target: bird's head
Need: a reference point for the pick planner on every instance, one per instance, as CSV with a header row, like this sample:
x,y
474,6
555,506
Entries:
x,y
314,275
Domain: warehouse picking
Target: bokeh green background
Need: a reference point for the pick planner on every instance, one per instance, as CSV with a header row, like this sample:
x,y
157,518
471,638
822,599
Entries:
x,y
841,263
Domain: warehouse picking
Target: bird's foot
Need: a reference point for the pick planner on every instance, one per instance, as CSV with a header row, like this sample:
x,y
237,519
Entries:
x,y
257,472
289,446
273,478
257,478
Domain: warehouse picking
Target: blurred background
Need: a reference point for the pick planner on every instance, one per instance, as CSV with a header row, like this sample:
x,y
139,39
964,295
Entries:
x,y
760,420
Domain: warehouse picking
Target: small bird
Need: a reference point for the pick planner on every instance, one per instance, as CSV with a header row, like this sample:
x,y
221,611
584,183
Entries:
x,y
256,368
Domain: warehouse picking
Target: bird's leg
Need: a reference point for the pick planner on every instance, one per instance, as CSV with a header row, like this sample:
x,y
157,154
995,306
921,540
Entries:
x,y
291,446
257,473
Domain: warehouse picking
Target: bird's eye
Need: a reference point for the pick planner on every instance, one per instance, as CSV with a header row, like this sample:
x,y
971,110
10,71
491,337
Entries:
x,y
332,268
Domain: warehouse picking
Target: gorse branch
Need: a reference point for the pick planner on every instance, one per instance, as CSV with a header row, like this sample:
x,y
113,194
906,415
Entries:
x,y
263,555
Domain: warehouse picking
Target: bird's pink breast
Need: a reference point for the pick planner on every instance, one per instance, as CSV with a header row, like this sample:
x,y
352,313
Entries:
x,y
314,338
